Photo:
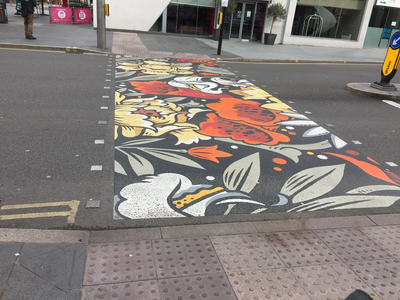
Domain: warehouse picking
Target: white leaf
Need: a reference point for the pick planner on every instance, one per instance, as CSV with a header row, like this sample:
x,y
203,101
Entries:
x,y
317,131
140,165
297,123
314,182
243,174
118,168
338,142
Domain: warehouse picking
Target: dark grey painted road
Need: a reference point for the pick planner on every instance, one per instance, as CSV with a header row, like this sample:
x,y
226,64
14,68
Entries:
x,y
319,89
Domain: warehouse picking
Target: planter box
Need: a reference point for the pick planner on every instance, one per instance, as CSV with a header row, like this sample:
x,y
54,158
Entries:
x,y
269,38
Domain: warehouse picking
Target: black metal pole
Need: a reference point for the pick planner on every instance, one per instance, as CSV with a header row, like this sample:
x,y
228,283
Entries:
x,y
221,32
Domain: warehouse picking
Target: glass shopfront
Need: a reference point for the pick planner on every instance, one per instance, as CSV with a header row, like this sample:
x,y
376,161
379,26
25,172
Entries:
x,y
337,19
384,22
191,17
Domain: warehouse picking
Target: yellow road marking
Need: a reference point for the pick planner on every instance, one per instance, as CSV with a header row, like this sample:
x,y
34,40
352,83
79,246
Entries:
x,y
73,205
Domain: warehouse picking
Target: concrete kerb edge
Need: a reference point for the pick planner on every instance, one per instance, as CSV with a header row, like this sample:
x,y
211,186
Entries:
x,y
378,94
13,235
51,48
294,61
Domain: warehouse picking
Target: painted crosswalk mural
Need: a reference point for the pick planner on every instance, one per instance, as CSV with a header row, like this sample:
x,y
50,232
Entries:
x,y
194,139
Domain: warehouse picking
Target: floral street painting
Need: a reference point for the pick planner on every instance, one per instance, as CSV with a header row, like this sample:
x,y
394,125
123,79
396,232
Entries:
x,y
193,139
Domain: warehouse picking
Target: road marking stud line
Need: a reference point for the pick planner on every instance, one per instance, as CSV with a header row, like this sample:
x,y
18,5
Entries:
x,y
102,122
104,107
98,142
392,164
96,168
93,204
106,97
356,142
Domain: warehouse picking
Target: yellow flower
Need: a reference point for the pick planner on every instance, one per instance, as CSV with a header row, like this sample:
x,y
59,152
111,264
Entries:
x,y
154,67
154,117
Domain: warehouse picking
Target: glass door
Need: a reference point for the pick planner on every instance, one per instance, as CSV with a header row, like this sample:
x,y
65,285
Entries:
x,y
248,20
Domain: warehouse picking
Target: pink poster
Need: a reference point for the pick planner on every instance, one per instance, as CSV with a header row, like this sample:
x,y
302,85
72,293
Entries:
x,y
83,16
61,14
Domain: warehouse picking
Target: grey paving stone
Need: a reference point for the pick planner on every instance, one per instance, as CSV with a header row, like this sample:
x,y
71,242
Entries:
x,y
207,230
313,223
137,234
185,257
52,262
386,236
43,236
301,248
383,276
245,252
213,286
270,284
350,244
7,259
142,290
333,281
386,219
119,262
78,267
23,284
74,295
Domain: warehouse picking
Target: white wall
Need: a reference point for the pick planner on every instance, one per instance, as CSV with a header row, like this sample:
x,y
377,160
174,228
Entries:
x,y
289,39
132,14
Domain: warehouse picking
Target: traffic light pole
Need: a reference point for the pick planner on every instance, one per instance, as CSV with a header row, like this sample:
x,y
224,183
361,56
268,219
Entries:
x,y
221,32
101,25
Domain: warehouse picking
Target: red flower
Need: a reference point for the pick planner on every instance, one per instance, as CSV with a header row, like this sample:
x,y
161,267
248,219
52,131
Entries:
x,y
244,121
162,88
209,153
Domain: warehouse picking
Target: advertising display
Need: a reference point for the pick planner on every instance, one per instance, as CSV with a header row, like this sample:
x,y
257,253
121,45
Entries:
x,y
388,3
61,14
83,16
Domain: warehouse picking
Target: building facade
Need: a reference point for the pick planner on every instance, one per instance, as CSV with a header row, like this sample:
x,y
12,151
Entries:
x,y
329,23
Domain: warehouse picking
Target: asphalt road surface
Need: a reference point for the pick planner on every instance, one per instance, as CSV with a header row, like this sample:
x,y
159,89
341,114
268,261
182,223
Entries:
x,y
52,144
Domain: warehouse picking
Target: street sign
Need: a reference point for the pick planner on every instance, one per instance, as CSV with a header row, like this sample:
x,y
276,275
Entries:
x,y
388,3
225,3
390,64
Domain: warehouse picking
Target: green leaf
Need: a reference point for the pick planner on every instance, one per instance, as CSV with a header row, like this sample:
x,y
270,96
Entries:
x,y
140,165
118,168
243,174
172,157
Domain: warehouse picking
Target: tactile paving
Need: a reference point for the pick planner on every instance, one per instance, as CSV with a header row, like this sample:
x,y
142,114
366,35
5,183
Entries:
x,y
142,290
266,284
213,286
301,248
383,276
119,262
333,281
386,236
245,252
351,244
185,257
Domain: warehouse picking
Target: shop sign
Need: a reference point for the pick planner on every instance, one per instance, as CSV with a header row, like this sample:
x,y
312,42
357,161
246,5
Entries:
x,y
61,14
388,3
83,16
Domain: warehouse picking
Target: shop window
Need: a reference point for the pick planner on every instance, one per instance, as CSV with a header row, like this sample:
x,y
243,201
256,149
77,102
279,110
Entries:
x,y
337,19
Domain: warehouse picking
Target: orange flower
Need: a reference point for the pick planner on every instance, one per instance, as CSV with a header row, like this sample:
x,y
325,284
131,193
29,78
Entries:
x,y
209,153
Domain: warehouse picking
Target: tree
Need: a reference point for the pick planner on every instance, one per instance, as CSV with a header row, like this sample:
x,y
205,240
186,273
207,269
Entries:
x,y
278,13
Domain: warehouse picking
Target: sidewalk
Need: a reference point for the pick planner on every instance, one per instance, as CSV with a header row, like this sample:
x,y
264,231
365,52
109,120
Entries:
x,y
325,258
84,37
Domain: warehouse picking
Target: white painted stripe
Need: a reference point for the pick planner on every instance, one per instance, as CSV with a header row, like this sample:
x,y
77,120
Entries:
x,y
102,122
108,74
392,164
96,168
308,112
98,142
107,87
357,142
392,103
105,97
109,70
108,79
104,107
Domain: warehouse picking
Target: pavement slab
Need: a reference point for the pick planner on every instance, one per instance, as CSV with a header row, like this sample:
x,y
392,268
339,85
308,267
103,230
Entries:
x,y
8,252
301,248
386,236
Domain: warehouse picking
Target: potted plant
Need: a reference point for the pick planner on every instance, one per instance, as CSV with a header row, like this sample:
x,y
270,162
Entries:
x,y
278,13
